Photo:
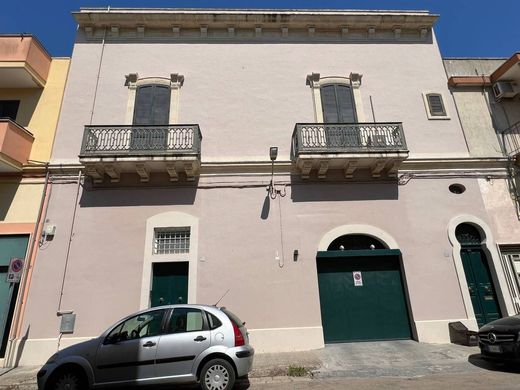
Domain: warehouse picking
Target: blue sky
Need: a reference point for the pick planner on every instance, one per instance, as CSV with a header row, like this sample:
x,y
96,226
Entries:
x,y
467,28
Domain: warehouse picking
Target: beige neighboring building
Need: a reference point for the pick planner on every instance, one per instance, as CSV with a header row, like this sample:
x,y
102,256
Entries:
x,y
168,187
487,95
31,92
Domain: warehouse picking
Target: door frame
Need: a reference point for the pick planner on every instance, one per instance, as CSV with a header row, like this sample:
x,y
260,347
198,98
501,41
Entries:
x,y
388,241
489,247
167,220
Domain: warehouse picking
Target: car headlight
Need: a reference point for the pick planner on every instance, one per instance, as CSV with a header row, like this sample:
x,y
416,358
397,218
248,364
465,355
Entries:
x,y
52,359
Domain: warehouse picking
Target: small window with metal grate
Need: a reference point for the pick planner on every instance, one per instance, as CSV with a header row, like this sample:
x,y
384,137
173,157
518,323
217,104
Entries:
x,y
171,240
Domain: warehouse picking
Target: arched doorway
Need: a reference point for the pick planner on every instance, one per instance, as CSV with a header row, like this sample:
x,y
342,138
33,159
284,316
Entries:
x,y
478,276
361,289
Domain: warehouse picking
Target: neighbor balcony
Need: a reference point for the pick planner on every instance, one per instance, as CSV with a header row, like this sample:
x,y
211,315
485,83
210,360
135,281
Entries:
x,y
350,147
511,138
145,150
24,63
15,146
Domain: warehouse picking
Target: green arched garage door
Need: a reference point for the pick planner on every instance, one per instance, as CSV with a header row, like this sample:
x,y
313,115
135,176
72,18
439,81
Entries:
x,y
373,307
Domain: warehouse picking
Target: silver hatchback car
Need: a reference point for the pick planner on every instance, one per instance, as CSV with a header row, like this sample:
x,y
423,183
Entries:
x,y
163,345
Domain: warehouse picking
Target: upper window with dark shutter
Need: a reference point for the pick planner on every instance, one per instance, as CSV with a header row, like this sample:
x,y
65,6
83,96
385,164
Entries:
x,y
152,105
337,104
435,104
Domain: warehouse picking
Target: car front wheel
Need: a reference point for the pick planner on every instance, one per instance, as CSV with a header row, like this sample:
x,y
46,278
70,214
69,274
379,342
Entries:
x,y
217,374
68,380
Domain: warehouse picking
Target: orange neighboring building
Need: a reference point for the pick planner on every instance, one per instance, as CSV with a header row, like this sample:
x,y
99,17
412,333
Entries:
x,y
31,91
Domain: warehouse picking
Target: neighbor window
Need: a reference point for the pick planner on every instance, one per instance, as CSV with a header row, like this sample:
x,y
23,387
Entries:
x,y
9,109
337,104
512,256
171,240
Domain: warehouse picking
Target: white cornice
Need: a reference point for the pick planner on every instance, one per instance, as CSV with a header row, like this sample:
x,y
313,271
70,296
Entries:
x,y
251,19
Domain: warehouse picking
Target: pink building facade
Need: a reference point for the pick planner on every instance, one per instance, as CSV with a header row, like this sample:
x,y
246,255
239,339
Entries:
x,y
164,189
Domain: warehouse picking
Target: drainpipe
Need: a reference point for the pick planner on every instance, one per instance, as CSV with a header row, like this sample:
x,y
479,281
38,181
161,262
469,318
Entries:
x,y
25,281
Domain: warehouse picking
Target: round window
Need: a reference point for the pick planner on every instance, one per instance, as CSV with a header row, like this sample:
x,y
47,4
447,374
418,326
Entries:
x,y
457,188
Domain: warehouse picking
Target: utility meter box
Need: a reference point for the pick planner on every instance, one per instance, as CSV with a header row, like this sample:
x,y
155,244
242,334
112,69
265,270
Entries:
x,y
67,323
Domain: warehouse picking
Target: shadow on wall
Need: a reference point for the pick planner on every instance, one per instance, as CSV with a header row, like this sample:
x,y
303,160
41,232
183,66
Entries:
x,y
7,194
114,197
21,347
323,191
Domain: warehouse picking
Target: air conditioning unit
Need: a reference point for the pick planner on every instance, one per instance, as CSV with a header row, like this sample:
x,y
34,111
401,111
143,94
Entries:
x,y
505,89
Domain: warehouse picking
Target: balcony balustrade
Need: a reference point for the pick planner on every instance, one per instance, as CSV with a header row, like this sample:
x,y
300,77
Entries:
x,y
113,150
15,146
381,147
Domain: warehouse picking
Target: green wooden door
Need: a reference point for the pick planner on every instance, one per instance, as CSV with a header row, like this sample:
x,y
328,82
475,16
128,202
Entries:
x,y
170,283
377,310
10,246
480,285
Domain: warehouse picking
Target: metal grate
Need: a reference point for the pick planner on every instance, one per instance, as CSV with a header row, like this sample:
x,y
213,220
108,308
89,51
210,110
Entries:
x,y
171,240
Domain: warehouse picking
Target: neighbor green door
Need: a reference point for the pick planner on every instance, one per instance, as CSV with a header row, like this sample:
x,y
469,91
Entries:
x,y
480,285
375,310
10,246
170,283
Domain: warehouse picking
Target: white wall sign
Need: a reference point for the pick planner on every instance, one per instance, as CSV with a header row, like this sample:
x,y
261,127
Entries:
x,y
358,279
14,273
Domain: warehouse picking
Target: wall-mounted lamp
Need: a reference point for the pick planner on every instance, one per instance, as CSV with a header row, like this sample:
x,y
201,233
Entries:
x,y
273,153
295,255
271,189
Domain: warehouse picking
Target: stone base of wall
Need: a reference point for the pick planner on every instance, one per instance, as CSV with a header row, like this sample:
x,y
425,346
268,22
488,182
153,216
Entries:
x,y
271,340
286,339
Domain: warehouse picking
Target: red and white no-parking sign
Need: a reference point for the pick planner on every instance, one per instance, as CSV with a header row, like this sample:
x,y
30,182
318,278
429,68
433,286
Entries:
x,y
15,270
358,278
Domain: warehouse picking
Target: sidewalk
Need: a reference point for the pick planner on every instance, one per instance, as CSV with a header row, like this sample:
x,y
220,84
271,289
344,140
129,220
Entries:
x,y
407,359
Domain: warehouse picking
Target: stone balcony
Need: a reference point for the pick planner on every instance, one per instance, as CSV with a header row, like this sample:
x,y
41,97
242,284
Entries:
x,y
15,146
142,150
24,63
318,148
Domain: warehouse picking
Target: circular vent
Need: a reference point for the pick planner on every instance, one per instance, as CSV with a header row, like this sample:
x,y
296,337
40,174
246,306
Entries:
x,y
457,188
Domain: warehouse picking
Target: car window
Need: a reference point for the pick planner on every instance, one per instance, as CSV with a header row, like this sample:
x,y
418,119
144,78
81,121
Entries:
x,y
139,326
185,320
214,322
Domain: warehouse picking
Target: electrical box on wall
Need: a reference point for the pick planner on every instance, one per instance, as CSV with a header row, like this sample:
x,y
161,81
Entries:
x,y
50,230
67,323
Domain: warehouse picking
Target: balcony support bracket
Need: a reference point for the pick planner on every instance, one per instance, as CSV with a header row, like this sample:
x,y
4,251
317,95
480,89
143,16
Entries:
x,y
392,172
350,168
113,173
322,171
189,168
96,173
306,169
142,172
377,168
170,168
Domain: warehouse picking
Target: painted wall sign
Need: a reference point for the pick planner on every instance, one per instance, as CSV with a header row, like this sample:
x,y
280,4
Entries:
x,y
14,273
358,278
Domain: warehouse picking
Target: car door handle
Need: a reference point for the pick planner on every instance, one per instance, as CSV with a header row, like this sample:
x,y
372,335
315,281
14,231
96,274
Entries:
x,y
149,344
199,338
